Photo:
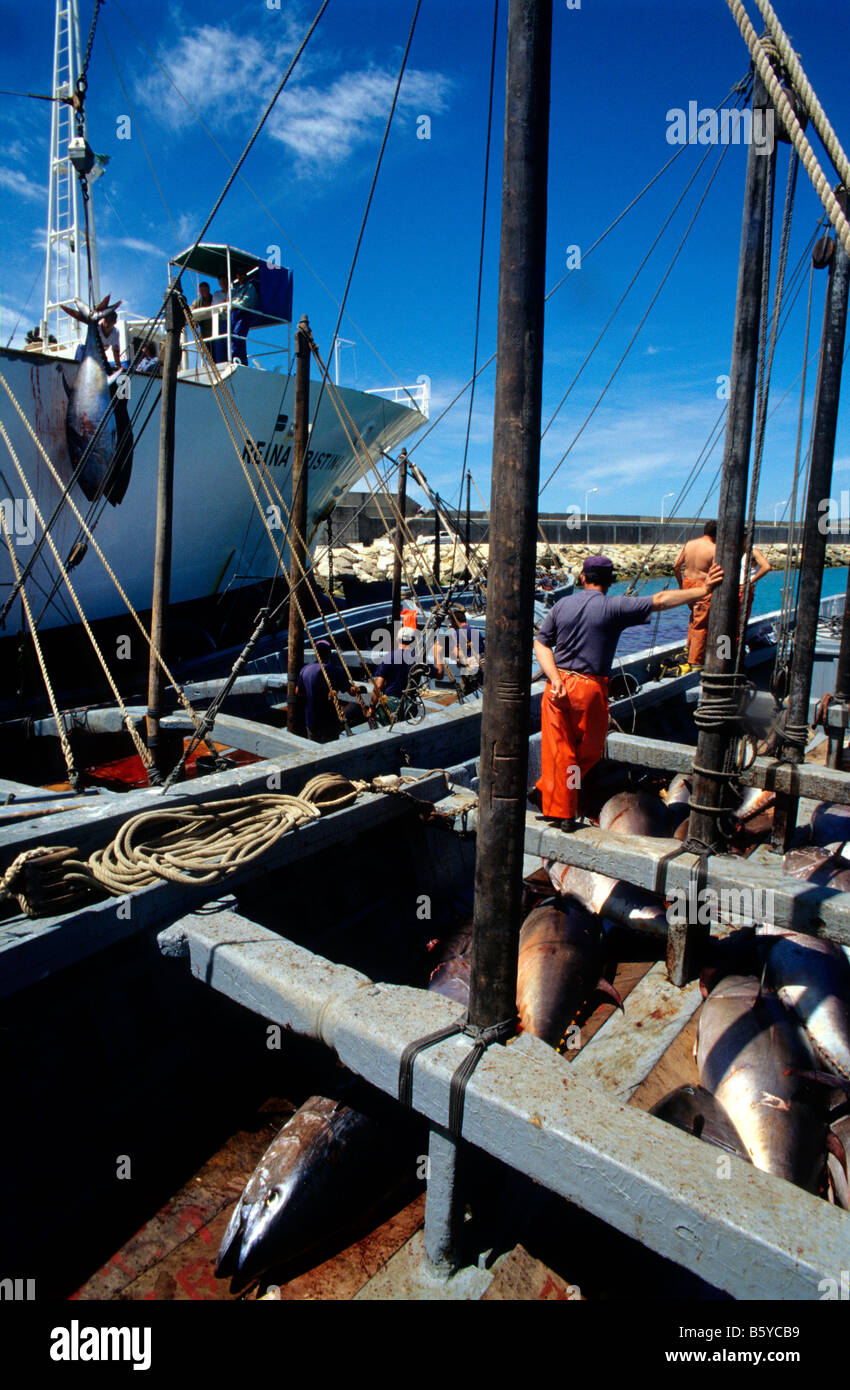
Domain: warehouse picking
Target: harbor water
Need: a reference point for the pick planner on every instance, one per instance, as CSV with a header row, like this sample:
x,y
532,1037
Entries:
x,y
669,627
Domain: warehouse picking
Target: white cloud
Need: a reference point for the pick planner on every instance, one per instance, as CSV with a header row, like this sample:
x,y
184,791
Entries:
x,y
127,243
22,187
18,151
218,72
322,126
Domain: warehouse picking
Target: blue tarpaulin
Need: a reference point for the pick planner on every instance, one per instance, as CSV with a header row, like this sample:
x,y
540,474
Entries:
x,y
275,291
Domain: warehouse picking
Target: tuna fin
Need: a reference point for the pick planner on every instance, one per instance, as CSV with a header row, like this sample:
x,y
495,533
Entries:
x,y
78,312
605,987
836,1148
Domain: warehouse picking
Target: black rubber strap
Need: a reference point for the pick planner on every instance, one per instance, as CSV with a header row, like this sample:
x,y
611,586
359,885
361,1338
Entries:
x,y
411,1052
482,1038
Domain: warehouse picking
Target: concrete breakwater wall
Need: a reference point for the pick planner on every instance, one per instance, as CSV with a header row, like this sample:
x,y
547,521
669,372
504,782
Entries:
x,y
374,561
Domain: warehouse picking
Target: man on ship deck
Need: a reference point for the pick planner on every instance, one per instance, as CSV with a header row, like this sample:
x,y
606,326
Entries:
x,y
692,565
575,649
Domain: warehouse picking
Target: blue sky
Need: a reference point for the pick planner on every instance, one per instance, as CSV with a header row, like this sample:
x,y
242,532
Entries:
x,y
618,67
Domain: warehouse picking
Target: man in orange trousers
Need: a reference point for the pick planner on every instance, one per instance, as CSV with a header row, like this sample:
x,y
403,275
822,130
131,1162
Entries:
x,y
575,649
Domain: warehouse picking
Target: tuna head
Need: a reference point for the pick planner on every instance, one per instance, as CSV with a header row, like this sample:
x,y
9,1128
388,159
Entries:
x,y
612,898
812,977
560,964
749,1054
830,822
329,1165
695,1110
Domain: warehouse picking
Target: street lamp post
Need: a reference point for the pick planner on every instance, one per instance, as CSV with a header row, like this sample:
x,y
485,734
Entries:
x,y
663,500
776,509
586,495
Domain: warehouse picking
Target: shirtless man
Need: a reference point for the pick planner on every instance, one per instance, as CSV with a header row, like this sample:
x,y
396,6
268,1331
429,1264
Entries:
x,y
691,568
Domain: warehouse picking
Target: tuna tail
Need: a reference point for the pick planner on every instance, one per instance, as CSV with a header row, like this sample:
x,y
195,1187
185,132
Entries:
x,y
605,987
84,314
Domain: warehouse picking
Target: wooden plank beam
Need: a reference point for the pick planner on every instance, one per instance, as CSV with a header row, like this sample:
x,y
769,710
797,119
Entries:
x,y
649,863
627,1046
808,779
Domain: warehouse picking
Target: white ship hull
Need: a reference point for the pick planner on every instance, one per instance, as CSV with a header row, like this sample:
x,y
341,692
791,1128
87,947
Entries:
x,y
218,538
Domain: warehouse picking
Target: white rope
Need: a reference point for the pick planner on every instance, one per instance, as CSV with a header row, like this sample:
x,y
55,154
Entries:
x,y
802,85
785,112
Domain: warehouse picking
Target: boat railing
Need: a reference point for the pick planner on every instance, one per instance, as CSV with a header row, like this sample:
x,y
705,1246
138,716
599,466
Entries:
x,y
417,397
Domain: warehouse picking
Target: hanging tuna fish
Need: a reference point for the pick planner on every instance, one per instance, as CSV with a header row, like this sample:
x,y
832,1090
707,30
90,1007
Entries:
x,y
99,438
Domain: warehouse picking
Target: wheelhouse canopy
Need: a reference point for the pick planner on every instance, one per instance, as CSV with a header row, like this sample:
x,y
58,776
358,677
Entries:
x,y
274,284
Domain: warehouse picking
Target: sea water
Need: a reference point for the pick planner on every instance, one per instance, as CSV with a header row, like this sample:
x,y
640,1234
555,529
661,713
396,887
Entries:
x,y
674,625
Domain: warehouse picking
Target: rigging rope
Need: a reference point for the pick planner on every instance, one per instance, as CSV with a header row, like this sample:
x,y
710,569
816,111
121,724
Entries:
x,y
67,753
130,726
62,568
786,114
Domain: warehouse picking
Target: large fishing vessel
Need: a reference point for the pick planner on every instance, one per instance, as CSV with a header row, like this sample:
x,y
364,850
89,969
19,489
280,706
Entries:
x,y
219,537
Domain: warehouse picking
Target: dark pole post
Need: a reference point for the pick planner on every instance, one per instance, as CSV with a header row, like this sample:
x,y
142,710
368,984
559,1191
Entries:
x,y
298,512
468,516
714,744
437,539
513,511
399,541
815,529
174,321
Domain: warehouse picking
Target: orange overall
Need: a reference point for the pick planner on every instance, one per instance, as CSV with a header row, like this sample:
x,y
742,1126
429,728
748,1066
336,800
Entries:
x,y
698,626
573,728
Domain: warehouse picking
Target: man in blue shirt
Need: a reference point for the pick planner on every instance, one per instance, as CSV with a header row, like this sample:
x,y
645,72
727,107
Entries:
x,y
575,648
320,714
244,298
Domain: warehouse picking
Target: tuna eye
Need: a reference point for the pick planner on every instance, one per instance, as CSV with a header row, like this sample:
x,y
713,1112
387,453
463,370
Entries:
x,y
272,1197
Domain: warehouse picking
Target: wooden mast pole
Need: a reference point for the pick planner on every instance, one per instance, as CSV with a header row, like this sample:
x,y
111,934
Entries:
x,y
174,321
298,513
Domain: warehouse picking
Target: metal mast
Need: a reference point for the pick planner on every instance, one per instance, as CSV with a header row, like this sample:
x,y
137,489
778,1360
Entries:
x,y
66,269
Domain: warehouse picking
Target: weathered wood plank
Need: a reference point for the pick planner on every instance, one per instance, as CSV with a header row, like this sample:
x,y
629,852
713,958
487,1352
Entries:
x,y
807,779
650,864
626,1048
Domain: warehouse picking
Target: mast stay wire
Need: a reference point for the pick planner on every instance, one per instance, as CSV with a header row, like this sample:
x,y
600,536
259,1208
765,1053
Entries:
x,y
643,319
370,196
258,200
432,424
480,260
665,224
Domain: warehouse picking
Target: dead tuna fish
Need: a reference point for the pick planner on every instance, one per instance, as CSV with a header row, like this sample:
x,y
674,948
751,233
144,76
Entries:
x,y
627,813
824,867
329,1164
812,977
560,966
635,813
750,1052
450,975
93,431
836,1160
830,822
678,800
611,898
696,1111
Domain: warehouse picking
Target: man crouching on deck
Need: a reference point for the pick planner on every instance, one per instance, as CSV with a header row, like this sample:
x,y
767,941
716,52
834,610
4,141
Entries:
x,y
575,648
